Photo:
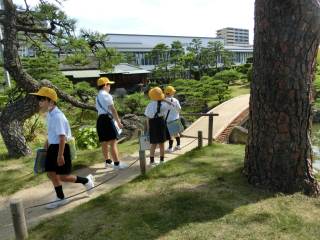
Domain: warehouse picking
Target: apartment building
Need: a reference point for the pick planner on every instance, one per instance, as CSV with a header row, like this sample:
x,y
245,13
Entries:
x,y
234,36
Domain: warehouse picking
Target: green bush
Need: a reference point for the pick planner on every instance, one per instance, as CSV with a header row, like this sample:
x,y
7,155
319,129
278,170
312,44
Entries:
x,y
134,103
243,68
195,96
227,76
87,138
33,127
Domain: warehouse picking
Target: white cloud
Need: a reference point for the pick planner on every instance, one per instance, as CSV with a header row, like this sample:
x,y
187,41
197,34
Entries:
x,y
167,17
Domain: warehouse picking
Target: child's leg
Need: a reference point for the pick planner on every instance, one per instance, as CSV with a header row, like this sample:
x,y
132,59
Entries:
x,y
170,143
57,184
152,151
178,140
161,146
105,152
114,151
73,179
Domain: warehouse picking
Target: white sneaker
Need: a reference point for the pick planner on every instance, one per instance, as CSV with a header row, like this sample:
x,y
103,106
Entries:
x,y
170,150
120,166
153,164
57,202
90,184
108,165
177,147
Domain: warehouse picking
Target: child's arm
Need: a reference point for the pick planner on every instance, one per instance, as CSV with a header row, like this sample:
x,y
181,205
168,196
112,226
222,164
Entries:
x,y
62,143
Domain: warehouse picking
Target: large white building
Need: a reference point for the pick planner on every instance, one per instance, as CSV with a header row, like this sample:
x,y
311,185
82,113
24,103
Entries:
x,y
140,45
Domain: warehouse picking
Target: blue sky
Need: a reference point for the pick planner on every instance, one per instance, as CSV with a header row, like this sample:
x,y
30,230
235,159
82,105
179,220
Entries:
x,y
201,18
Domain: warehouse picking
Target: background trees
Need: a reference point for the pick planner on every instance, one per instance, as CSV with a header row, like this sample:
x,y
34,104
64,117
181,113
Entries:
x,y
174,62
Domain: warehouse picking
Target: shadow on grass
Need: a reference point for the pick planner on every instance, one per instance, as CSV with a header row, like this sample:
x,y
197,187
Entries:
x,y
191,189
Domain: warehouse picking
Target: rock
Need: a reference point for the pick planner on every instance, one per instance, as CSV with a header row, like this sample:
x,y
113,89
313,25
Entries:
x,y
238,135
131,124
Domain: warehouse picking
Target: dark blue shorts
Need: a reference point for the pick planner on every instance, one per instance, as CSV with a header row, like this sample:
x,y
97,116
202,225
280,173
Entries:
x,y
51,164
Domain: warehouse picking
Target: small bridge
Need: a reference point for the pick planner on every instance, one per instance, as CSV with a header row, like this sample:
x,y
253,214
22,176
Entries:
x,y
231,113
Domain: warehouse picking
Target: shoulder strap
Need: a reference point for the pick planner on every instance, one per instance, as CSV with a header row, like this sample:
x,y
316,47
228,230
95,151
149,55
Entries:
x,y
167,115
171,100
100,105
158,109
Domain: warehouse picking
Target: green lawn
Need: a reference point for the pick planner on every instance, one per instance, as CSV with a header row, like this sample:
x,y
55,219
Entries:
x,y
201,195
239,89
16,174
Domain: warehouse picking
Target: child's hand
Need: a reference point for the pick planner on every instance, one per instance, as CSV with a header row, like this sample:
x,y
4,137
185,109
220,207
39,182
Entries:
x,y
60,160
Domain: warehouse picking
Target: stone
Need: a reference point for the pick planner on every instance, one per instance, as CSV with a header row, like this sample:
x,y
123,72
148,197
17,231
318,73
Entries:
x,y
131,124
238,135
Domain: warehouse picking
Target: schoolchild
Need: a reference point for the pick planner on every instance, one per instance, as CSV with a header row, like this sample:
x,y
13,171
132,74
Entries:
x,y
107,118
155,112
173,115
58,161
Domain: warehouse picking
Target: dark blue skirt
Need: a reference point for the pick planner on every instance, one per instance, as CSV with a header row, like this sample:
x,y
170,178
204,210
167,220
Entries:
x,y
157,129
105,128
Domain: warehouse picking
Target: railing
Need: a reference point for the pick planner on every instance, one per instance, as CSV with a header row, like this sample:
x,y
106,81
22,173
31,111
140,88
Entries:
x,y
142,154
210,128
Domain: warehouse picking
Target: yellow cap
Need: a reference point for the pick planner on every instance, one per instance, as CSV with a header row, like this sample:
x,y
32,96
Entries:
x,y
47,92
103,81
156,94
169,90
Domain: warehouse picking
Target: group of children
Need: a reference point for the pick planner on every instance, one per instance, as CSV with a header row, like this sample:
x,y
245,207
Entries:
x,y
163,108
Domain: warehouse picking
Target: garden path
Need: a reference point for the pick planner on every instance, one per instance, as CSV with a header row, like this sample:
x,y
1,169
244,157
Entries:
x,y
40,194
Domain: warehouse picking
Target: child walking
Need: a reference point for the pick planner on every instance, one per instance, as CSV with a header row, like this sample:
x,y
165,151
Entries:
x,y
58,161
155,112
105,125
173,115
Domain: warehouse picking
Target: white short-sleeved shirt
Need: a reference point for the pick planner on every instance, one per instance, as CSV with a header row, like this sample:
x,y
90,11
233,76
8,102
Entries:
x,y
175,109
57,125
105,100
151,109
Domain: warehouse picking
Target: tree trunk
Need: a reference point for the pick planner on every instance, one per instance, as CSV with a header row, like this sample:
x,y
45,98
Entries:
x,y
12,119
278,152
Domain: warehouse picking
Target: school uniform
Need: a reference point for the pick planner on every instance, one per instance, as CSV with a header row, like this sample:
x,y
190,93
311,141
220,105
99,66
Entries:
x,y
156,112
172,113
175,110
57,125
105,127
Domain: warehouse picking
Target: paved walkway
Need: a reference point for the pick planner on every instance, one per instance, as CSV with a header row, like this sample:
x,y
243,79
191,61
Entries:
x,y
43,193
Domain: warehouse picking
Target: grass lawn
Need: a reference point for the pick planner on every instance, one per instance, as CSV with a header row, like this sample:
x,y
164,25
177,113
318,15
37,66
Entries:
x,y
239,89
16,174
201,195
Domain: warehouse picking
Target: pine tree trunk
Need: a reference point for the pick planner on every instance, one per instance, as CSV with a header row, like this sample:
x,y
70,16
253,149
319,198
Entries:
x,y
278,152
12,119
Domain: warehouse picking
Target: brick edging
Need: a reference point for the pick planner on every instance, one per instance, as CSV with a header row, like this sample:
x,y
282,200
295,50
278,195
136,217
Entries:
x,y
223,137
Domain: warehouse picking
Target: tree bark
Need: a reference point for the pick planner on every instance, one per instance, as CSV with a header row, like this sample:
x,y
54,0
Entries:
x,y
12,119
278,152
